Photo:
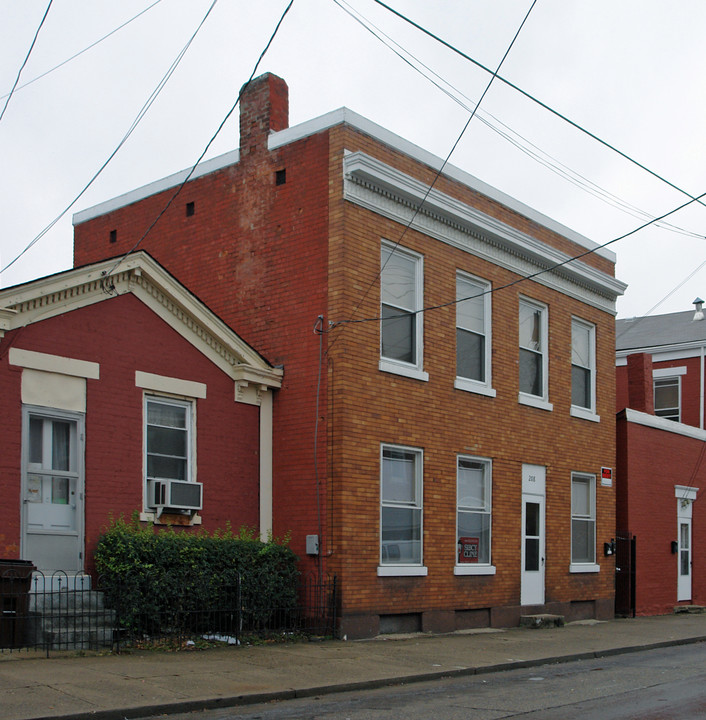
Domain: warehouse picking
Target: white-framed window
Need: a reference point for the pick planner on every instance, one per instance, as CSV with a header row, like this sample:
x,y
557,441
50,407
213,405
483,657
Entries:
x,y
583,522
667,397
534,363
401,472
473,516
169,439
401,300
583,368
473,334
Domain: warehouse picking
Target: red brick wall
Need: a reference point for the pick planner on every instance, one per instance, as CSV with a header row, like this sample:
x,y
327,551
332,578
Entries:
x,y
11,434
690,388
368,407
123,336
656,461
256,253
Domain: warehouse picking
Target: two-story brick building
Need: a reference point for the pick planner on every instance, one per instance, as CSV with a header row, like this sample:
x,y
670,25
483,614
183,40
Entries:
x,y
661,474
443,420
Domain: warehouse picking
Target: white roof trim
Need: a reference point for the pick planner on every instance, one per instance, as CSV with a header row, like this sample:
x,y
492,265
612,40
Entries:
x,y
663,353
158,186
142,276
358,122
658,423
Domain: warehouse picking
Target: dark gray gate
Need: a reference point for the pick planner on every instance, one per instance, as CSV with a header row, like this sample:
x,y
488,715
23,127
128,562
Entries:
x,y
625,544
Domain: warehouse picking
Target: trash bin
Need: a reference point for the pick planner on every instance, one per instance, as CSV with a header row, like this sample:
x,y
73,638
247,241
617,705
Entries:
x,y
15,584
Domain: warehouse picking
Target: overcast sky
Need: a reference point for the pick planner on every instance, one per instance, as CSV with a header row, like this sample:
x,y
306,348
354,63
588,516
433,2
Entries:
x,y
629,71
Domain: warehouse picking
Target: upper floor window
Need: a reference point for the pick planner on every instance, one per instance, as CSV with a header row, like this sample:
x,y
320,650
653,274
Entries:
x,y
583,366
667,397
533,353
473,340
401,300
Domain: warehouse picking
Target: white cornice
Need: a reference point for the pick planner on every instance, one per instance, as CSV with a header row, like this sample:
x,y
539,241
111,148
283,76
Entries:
x,y
389,192
142,276
658,423
663,353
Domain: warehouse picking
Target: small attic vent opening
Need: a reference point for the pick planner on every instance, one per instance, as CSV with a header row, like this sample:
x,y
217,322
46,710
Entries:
x,y
113,236
281,176
190,209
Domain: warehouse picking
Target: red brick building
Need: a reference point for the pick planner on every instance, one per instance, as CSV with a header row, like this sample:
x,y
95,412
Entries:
x,y
661,443
133,397
442,423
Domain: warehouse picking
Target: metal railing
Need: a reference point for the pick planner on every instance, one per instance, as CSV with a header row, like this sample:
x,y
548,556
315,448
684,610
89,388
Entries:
x,y
65,612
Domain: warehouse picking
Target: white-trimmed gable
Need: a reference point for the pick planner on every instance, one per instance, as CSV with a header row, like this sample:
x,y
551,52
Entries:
x,y
145,278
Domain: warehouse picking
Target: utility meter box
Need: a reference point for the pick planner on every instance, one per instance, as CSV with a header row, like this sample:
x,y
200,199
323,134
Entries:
x,y
312,544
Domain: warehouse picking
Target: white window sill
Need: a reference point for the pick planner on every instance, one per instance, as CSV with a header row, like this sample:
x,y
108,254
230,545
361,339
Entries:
x,y
584,568
474,569
533,401
402,571
584,414
409,371
149,516
474,387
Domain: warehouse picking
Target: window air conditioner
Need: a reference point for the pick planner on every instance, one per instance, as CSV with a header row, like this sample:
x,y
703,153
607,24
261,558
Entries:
x,y
174,494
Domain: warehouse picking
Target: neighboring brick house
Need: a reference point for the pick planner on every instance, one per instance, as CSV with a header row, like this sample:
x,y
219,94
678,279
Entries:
x,y
661,444
124,398
436,454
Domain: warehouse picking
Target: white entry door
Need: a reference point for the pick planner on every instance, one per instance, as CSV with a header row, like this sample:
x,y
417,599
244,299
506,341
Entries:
x,y
52,490
532,569
684,555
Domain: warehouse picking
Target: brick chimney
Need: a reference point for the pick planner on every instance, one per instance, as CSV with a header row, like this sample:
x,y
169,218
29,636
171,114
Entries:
x,y
640,384
264,108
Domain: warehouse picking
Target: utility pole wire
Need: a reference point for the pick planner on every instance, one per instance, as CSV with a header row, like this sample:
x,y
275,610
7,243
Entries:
x,y
540,103
29,52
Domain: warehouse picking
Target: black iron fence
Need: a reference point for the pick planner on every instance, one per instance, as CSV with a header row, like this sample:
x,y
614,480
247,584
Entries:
x,y
66,612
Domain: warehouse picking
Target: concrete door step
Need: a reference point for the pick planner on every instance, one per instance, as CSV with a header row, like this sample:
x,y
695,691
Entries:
x,y
690,609
542,620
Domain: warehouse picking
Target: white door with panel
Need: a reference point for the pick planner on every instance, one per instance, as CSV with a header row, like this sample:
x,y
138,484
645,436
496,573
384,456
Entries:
x,y
52,489
533,535
685,498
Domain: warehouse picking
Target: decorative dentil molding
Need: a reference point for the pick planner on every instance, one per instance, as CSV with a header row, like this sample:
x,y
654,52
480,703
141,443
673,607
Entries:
x,y
387,191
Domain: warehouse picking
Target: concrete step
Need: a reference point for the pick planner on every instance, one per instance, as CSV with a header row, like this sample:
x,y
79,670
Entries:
x,y
689,609
87,601
542,620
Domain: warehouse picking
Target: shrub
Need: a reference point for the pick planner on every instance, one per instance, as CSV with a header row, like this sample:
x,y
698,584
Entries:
x,y
157,579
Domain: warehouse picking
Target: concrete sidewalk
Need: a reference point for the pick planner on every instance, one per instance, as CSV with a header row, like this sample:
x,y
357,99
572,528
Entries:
x,y
154,682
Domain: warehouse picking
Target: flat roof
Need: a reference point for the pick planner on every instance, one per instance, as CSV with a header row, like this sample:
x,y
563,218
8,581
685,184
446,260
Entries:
x,y
344,116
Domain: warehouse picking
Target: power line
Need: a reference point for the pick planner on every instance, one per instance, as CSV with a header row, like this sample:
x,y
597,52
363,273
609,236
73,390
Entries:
x,y
522,144
445,162
24,62
108,287
80,52
537,101
143,111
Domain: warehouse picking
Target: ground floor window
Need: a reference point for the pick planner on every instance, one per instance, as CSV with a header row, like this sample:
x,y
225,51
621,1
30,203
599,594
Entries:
x,y
473,492
401,506
583,518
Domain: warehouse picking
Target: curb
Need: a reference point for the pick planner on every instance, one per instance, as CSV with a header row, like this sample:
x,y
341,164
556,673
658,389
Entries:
x,y
185,706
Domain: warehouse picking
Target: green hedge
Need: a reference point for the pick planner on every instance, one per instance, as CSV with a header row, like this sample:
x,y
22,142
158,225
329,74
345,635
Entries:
x,y
157,577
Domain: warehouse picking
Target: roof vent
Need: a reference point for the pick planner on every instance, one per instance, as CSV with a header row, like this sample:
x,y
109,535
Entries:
x,y
699,312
